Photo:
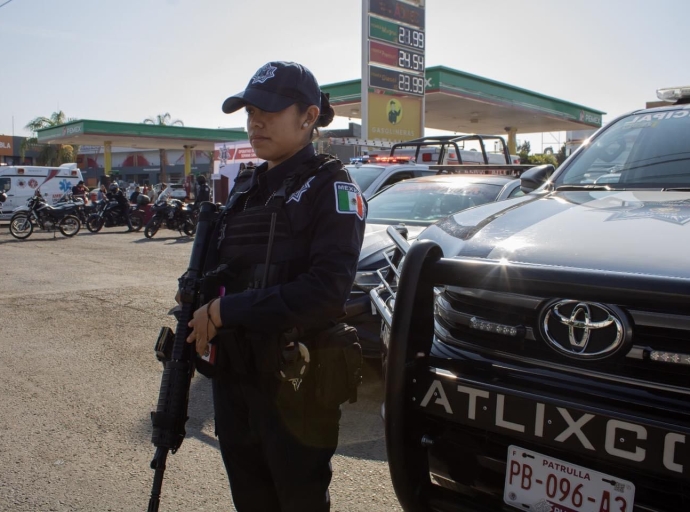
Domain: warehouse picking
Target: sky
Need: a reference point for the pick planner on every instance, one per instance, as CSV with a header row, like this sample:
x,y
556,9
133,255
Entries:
x,y
126,60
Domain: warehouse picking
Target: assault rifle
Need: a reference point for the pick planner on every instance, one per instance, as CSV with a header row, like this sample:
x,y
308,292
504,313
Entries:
x,y
179,358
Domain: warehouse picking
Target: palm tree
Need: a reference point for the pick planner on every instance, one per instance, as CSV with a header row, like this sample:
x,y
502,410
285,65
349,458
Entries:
x,y
163,120
49,154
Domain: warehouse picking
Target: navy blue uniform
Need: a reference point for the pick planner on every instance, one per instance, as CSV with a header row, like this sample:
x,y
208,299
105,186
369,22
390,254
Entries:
x,y
275,441
336,240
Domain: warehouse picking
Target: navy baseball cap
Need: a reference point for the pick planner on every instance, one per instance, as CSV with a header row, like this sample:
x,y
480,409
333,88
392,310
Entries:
x,y
275,87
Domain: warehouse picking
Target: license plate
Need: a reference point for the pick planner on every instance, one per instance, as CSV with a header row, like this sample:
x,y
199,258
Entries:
x,y
539,483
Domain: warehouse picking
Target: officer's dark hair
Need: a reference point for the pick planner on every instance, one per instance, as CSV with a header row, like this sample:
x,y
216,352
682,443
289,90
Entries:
x,y
326,114
201,180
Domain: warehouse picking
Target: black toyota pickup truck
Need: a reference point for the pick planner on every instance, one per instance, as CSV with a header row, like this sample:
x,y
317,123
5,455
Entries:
x,y
539,350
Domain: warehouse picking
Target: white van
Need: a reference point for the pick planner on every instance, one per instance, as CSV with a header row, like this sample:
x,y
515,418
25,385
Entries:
x,y
20,182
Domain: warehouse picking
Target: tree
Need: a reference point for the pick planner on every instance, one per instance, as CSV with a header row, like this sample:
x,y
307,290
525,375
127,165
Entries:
x,y
523,152
540,159
49,154
561,156
163,120
536,159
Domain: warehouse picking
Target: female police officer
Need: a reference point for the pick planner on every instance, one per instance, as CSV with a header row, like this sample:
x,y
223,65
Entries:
x,y
300,213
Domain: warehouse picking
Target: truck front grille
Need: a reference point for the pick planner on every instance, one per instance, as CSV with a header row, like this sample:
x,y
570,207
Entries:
x,y
504,325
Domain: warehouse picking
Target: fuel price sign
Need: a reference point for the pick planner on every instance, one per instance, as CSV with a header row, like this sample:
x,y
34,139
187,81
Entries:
x,y
397,81
391,32
392,56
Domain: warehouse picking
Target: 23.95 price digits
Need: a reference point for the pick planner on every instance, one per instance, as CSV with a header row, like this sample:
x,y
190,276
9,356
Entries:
x,y
561,489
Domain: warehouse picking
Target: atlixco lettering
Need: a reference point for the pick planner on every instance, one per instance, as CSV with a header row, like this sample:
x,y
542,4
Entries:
x,y
635,436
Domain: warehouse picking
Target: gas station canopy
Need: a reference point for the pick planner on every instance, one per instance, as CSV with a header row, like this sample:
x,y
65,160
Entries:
x,y
461,102
136,135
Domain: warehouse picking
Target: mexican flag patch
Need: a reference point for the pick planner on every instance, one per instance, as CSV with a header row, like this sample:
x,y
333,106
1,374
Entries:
x,y
348,199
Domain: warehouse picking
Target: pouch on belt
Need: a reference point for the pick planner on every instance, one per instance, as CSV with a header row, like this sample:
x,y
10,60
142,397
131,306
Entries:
x,y
337,362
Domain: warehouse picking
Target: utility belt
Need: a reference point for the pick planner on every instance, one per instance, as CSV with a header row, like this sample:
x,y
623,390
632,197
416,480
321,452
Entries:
x,y
331,360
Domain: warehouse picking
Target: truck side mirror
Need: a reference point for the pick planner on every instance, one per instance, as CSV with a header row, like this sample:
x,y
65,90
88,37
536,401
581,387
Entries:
x,y
535,177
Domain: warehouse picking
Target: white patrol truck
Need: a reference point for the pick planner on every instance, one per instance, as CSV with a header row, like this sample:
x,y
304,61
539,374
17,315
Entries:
x,y
382,172
20,182
468,154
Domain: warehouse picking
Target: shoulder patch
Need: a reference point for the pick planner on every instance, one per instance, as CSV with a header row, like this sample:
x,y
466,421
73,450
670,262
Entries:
x,y
348,199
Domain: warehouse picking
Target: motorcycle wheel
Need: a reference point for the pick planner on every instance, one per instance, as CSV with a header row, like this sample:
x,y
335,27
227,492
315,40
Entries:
x,y
69,225
21,226
189,227
94,224
152,227
137,221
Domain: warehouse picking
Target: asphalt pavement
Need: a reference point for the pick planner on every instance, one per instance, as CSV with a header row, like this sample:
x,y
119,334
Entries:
x,y
78,378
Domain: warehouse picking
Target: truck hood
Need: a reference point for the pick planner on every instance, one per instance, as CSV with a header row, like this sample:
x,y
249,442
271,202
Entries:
x,y
376,242
627,231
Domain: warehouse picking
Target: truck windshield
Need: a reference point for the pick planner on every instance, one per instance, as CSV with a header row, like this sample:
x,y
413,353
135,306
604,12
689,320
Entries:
x,y
423,203
649,150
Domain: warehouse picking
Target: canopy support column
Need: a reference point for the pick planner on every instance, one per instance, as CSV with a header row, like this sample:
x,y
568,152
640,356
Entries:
x,y
108,157
512,139
188,160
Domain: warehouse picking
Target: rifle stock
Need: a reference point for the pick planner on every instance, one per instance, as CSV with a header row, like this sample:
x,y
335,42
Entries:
x,y
171,411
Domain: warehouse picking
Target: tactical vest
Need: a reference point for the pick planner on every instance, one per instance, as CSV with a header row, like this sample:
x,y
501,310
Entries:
x,y
246,256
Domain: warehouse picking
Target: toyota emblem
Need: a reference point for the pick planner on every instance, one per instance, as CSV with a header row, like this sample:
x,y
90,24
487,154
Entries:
x,y
585,330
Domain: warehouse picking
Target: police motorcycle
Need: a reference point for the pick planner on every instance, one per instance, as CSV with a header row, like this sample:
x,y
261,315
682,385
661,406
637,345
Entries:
x,y
39,214
108,214
174,215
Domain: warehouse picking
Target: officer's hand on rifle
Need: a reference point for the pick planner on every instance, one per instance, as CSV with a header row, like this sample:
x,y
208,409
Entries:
x,y
205,325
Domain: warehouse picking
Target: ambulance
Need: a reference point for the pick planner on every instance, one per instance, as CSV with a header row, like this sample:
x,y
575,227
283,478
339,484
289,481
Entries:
x,y
20,182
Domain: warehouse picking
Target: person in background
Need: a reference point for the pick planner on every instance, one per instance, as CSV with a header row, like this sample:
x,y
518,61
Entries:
x,y
79,191
117,194
203,192
165,193
152,194
134,195
102,193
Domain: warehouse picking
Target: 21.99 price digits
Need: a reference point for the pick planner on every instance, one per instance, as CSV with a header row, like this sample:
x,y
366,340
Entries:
x,y
410,37
411,84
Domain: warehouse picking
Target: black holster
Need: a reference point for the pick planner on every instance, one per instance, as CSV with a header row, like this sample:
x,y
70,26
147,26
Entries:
x,y
337,355
242,353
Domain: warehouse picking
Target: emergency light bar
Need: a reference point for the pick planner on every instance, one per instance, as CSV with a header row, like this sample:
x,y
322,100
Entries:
x,y
391,159
511,171
673,93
